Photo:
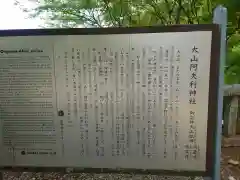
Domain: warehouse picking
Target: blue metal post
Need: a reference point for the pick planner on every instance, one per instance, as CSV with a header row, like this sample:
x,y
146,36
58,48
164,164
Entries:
x,y
220,17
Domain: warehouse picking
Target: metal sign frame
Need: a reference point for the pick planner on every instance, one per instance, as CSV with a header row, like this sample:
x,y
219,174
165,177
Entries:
x,y
213,88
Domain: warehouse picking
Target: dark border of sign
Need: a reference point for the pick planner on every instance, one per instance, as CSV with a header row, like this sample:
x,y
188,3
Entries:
x,y
213,89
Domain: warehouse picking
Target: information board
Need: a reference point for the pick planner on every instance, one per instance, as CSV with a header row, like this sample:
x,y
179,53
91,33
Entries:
x,y
108,98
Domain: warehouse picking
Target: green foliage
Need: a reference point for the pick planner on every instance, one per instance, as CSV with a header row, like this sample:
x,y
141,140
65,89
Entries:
x,y
118,13
124,12
232,71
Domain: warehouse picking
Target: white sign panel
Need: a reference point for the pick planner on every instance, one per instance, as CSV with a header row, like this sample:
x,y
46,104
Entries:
x,y
136,101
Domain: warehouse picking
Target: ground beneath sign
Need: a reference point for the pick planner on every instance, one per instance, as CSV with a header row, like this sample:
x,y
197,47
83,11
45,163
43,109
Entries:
x,y
230,158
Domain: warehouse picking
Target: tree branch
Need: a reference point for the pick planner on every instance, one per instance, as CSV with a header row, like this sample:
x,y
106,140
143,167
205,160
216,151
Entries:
x,y
194,10
81,15
157,13
113,18
121,17
186,12
95,20
169,10
178,15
